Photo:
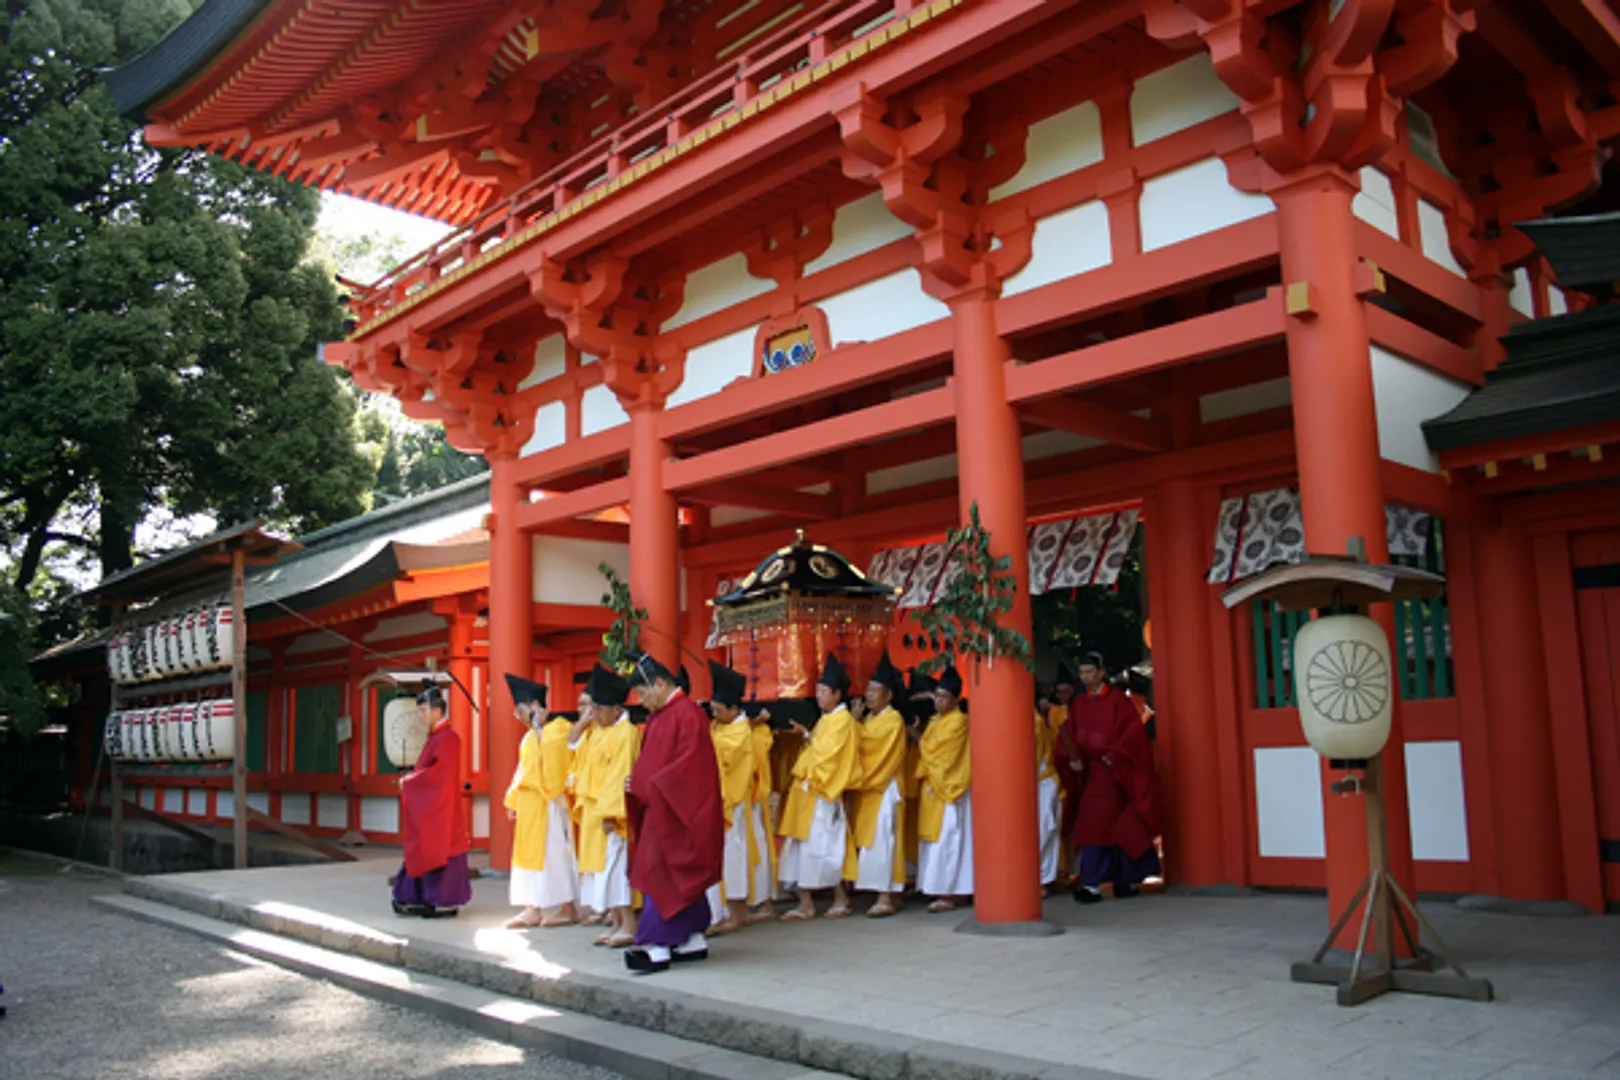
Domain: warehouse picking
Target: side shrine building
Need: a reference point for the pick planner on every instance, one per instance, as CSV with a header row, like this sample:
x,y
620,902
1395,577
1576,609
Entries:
x,y
1244,275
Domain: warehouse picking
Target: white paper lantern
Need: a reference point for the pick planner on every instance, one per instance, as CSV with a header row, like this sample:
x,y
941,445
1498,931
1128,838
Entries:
x,y
1346,686
112,736
405,731
224,637
216,730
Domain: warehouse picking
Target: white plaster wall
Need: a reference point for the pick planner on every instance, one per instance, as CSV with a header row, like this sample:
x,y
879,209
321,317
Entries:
x,y
1436,244
858,227
1436,806
1288,800
1192,201
550,428
733,515
716,287
1052,443
1067,243
879,308
197,802
910,475
440,528
565,569
174,801
1407,394
260,801
378,813
225,805
332,811
1557,303
714,365
1523,298
418,622
1375,204
1178,97
550,360
317,641
295,807
1057,146
480,817
1244,400
600,410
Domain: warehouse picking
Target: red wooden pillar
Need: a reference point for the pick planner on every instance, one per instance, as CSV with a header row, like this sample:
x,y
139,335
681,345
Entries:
x,y
1529,854
1336,444
511,634
1006,851
459,663
1184,672
655,552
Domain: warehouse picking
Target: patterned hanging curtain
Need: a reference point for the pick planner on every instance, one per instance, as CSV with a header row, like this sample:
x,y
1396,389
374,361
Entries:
x,y
1256,532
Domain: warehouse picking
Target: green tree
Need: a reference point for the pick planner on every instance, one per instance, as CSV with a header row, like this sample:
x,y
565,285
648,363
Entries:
x,y
159,322
411,458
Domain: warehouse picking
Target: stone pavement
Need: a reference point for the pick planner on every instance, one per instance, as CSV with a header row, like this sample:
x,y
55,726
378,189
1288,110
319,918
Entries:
x,y
1161,986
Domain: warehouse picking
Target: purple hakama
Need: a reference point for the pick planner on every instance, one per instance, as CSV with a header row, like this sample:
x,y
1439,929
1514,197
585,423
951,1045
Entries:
x,y
1112,864
673,932
449,886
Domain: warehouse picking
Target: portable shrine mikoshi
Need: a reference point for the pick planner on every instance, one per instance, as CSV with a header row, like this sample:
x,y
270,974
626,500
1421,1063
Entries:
x,y
801,603
1346,705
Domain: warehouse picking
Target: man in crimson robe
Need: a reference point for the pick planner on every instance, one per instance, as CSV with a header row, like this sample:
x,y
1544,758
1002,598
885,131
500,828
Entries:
x,y
677,823
434,881
1116,790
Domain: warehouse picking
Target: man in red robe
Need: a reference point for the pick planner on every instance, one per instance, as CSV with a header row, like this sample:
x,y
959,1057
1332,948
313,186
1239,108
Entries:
x,y
434,881
677,823
1116,790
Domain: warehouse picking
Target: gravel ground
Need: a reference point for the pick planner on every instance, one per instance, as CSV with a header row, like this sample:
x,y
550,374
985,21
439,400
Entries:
x,y
96,995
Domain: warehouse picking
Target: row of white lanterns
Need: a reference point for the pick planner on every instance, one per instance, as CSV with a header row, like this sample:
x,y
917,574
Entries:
x,y
188,731
198,639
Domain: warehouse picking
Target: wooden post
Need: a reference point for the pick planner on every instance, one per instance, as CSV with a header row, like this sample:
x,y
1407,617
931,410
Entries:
x,y
1383,908
116,857
239,820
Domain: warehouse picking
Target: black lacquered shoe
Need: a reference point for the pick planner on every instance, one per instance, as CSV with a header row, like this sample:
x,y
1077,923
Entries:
x,y
642,963
1083,895
1125,892
690,955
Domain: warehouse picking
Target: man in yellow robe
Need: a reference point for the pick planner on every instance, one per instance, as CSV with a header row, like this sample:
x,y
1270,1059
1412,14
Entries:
x,y
876,861
1064,687
1048,800
918,709
945,818
604,822
762,819
747,844
579,749
814,829
545,873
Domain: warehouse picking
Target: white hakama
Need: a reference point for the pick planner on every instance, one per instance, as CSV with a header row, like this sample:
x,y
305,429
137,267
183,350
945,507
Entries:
x,y
558,881
733,884
945,866
762,887
1049,804
610,888
817,862
875,864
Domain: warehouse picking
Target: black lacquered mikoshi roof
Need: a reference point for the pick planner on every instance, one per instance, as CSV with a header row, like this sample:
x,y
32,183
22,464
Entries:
x,y
805,569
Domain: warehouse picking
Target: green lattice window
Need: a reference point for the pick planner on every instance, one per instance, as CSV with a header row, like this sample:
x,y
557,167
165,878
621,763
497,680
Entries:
x,y
1423,625
256,709
315,719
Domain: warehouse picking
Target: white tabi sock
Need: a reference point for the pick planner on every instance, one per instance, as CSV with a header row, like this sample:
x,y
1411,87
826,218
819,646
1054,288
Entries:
x,y
694,943
658,953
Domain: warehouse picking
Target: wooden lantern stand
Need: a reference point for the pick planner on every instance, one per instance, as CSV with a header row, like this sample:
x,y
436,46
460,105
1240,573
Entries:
x,y
1375,968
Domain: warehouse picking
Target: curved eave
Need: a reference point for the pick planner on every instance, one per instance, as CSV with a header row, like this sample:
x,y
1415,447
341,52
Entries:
x,y
167,66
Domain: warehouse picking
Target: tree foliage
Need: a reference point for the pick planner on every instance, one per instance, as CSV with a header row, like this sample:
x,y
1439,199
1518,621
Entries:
x,y
623,638
968,614
412,458
159,324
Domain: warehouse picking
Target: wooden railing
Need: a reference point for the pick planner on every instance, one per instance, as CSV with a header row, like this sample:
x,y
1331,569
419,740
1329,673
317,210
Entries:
x,y
801,42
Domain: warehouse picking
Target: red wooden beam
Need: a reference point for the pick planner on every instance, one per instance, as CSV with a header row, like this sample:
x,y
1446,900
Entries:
x,y
1594,24
907,414
1422,346
793,504
1412,267
533,517
1553,442
1094,421
572,457
1233,330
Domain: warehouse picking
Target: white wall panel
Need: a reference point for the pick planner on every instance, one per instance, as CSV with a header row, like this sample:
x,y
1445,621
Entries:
x,y
1557,302
550,360
1245,400
1407,394
295,807
1436,242
1057,146
1435,802
148,798
1052,443
1067,243
1192,201
225,806
711,367
332,811
197,802
1523,298
1375,204
378,813
861,226
1178,97
174,801
550,428
260,801
419,622
480,817
910,475
716,287
1288,800
879,308
600,410
565,569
